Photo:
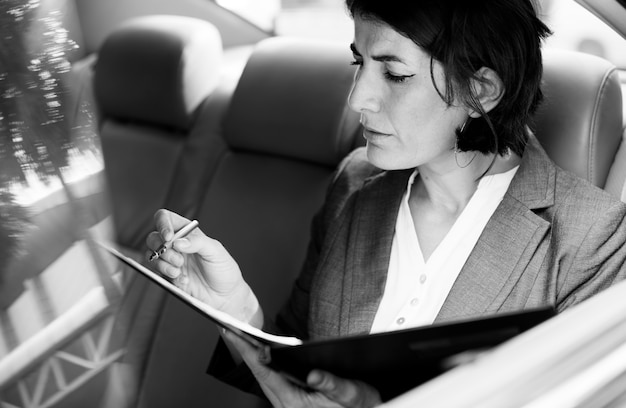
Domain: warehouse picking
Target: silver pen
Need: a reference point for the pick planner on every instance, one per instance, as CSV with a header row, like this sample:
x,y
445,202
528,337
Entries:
x,y
179,234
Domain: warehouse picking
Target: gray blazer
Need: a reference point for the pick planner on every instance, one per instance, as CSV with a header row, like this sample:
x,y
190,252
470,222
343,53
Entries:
x,y
554,240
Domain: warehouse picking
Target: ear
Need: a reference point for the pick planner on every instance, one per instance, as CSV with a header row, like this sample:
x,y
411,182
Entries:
x,y
488,89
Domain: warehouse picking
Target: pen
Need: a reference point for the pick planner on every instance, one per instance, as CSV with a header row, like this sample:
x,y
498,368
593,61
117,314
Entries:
x,y
179,234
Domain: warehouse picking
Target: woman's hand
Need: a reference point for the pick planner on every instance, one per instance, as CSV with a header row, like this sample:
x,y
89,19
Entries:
x,y
325,390
202,267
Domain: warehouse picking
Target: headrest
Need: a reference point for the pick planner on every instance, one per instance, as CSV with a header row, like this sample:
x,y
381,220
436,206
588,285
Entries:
x,y
579,123
158,69
291,101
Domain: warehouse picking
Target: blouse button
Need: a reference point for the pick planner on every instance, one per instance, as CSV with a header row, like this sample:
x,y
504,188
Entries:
x,y
414,301
400,320
422,278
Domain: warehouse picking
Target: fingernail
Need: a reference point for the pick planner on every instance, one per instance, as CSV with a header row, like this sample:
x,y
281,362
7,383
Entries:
x,y
264,355
314,378
227,334
166,234
182,243
182,279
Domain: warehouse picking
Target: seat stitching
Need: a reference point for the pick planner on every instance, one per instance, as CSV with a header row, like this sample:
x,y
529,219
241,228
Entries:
x,y
592,130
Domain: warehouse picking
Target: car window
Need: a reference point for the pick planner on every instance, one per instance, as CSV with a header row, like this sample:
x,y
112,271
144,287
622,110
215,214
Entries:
x,y
574,27
56,293
326,19
57,296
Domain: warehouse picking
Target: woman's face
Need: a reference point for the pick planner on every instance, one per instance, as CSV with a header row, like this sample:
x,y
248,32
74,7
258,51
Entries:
x,y
406,122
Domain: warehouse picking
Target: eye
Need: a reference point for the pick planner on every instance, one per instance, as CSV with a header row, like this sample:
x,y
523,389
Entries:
x,y
356,62
397,78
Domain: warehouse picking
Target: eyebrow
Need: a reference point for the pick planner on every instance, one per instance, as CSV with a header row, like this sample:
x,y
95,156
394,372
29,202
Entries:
x,y
379,58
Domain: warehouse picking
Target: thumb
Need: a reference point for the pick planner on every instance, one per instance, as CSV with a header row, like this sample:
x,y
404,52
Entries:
x,y
208,249
347,393
213,264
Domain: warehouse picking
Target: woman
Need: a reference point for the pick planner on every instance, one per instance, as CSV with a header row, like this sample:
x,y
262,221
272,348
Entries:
x,y
451,210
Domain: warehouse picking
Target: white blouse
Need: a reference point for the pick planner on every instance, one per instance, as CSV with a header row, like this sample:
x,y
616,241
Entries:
x,y
415,290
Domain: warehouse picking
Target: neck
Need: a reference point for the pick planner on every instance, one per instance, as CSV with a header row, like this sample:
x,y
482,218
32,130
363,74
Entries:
x,y
452,189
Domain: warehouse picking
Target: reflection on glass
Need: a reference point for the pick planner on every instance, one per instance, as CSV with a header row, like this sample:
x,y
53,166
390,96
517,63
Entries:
x,y
576,28
57,296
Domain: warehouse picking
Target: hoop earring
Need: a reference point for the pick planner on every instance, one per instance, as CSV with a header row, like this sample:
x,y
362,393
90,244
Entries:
x,y
462,130
456,146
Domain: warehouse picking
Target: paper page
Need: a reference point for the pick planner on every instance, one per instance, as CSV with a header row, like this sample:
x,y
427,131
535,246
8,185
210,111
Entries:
x,y
217,316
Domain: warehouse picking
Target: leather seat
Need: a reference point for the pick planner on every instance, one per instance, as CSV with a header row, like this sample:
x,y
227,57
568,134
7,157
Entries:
x,y
579,123
286,129
264,171
616,181
151,76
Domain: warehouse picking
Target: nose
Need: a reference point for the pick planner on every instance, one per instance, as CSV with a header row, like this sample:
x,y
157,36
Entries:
x,y
363,96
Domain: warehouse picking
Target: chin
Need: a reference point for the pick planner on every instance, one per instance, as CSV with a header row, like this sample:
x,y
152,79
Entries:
x,y
385,159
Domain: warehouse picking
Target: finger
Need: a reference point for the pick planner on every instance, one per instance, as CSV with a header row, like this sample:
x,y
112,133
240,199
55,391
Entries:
x,y
279,391
252,355
197,242
166,269
154,240
167,265
182,281
346,393
167,222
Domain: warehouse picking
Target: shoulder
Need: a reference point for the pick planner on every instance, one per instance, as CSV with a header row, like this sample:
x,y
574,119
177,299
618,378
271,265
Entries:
x,y
542,185
581,209
352,173
576,210
574,194
354,169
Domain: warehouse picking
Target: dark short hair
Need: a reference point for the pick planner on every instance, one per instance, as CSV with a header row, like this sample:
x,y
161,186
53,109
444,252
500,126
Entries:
x,y
464,36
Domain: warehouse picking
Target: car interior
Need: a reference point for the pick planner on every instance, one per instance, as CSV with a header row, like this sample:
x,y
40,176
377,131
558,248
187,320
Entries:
x,y
242,130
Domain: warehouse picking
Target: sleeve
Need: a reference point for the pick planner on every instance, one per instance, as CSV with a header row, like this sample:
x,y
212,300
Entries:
x,y
224,368
600,260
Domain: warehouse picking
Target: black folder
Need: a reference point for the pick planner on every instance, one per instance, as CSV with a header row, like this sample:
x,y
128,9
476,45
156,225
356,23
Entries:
x,y
392,362
395,362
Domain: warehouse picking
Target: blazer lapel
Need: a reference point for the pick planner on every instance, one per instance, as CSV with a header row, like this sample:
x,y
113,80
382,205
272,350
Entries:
x,y
371,237
510,244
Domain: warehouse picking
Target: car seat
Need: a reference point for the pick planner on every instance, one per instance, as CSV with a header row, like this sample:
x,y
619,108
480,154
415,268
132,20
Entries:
x,y
284,132
151,76
579,123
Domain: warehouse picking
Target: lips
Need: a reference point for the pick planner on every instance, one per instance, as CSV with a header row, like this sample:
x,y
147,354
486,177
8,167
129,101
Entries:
x,y
373,135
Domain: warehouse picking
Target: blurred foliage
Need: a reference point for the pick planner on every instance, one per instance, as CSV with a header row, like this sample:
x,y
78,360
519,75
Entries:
x,y
37,141
12,220
34,137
